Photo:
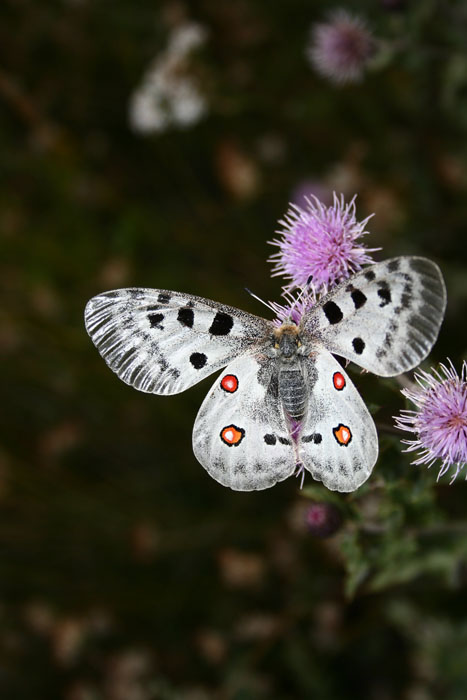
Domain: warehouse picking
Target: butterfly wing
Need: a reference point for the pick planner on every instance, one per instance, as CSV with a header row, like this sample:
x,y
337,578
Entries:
x,y
338,442
163,342
385,318
240,434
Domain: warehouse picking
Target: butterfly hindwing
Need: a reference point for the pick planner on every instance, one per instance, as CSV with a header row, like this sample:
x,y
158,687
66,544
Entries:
x,y
163,342
241,435
385,318
338,442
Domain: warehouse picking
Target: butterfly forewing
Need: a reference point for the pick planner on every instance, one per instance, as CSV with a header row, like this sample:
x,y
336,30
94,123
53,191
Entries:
x,y
385,318
338,442
241,435
163,342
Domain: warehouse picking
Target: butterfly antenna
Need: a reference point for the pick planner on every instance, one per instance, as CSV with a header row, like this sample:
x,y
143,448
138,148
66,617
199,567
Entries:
x,y
255,296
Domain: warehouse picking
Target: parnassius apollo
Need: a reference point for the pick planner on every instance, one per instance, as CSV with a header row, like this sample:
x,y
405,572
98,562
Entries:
x,y
283,402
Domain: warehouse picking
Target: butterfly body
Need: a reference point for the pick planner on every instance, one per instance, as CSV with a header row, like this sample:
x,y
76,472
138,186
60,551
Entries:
x,y
289,350
282,401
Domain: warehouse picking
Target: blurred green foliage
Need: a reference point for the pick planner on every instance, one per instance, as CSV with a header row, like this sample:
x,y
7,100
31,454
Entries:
x,y
126,573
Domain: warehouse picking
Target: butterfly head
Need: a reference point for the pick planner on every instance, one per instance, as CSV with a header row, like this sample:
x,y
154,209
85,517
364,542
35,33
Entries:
x,y
287,343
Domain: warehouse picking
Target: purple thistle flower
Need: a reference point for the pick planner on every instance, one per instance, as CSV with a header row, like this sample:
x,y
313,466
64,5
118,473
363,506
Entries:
x,y
440,418
319,244
294,309
322,519
341,48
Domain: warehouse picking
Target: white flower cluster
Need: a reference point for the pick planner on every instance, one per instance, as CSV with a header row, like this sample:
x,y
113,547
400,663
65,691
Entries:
x,y
167,94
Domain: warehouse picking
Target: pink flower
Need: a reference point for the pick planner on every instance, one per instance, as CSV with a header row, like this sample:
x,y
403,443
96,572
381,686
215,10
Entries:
x,y
319,245
323,519
440,419
294,308
341,48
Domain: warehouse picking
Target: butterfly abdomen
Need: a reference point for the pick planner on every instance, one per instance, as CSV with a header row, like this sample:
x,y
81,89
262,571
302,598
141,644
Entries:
x,y
293,392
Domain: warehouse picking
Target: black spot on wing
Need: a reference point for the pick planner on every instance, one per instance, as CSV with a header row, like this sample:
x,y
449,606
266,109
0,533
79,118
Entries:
x,y
369,275
222,324
283,440
155,321
270,439
358,345
384,293
314,437
198,360
358,298
333,312
394,265
163,298
186,317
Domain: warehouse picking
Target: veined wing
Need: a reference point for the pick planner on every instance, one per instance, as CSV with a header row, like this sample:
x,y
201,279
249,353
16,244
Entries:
x,y
163,342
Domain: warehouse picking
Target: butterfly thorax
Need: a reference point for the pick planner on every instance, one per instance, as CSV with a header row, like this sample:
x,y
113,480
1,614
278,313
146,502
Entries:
x,y
292,389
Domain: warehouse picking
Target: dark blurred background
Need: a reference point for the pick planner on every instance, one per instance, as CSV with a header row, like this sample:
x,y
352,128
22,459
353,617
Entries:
x,y
157,144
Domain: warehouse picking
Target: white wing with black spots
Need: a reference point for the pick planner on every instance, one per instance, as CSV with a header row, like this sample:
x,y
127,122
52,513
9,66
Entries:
x,y
241,435
338,443
163,342
385,318
283,400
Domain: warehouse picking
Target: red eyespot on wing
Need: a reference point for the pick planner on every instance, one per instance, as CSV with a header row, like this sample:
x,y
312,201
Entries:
x,y
229,383
232,435
342,434
338,381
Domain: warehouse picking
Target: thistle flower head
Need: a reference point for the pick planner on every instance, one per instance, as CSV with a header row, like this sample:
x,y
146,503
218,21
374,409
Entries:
x,y
319,245
440,419
294,308
322,519
341,48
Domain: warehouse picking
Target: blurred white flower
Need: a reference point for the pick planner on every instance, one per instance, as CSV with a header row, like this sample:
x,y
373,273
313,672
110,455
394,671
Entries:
x,y
168,95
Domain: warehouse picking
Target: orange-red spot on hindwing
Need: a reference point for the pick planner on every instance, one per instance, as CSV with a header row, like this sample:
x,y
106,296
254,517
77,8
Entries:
x,y
232,435
229,383
338,381
342,434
